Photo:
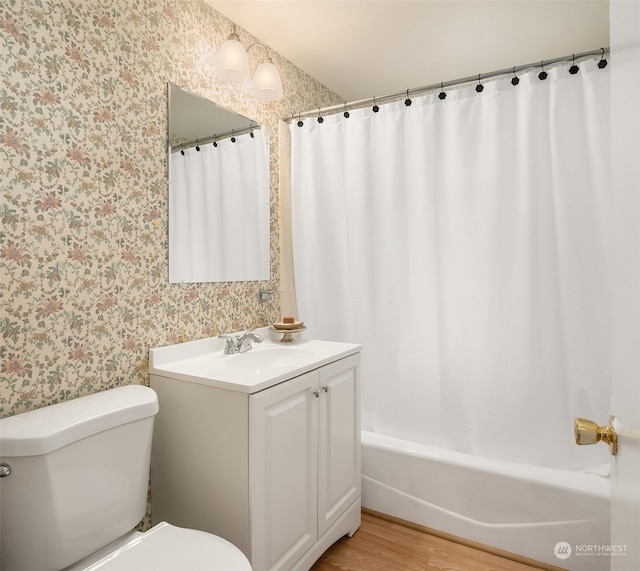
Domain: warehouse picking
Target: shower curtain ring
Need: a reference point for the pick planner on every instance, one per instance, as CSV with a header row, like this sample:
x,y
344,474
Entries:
x,y
479,87
603,62
574,68
442,94
543,74
515,79
407,101
346,113
375,107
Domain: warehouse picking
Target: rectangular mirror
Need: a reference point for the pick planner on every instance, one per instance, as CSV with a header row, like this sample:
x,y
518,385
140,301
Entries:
x,y
218,193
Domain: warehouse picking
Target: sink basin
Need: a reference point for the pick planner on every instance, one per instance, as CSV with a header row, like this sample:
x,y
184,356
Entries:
x,y
258,359
266,364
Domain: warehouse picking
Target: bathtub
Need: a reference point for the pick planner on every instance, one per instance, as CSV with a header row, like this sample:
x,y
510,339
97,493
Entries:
x,y
524,510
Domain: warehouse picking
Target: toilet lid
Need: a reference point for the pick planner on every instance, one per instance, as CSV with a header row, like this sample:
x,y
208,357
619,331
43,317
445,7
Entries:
x,y
169,548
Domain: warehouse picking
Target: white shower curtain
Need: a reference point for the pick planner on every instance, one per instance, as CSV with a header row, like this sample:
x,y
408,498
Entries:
x,y
219,211
465,243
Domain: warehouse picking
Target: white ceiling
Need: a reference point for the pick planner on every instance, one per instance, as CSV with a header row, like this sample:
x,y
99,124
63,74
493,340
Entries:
x,y
362,48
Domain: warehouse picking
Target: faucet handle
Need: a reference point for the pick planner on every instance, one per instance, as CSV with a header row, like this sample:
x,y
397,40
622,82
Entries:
x,y
230,344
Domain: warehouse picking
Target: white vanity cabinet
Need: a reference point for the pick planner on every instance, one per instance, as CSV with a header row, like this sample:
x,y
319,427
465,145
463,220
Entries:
x,y
275,471
304,462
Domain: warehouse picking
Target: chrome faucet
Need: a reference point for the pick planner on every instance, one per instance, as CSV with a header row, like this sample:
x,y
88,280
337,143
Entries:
x,y
240,343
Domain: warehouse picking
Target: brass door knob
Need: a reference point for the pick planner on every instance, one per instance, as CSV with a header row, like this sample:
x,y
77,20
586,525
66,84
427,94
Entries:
x,y
588,432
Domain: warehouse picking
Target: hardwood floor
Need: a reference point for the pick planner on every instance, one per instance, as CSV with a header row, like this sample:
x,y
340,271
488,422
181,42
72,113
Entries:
x,y
381,545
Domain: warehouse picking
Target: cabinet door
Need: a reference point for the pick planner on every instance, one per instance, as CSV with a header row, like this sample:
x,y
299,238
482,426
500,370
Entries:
x,y
283,472
338,440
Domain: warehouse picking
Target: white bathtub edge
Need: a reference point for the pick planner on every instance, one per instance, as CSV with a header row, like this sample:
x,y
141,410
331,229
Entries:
x,y
392,458
582,481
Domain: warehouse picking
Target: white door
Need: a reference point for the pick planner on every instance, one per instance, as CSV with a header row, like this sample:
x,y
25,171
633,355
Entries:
x,y
339,474
625,133
283,460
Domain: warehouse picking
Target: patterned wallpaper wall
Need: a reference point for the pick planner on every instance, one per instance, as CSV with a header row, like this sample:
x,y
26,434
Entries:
x,y
83,210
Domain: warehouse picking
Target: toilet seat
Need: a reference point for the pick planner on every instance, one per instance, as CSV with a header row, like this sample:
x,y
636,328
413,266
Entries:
x,y
169,548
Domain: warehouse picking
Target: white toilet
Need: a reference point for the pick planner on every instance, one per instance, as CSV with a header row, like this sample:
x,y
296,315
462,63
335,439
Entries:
x,y
73,485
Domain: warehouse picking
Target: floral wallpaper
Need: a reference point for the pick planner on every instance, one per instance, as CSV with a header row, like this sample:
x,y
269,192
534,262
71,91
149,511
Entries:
x,y
83,208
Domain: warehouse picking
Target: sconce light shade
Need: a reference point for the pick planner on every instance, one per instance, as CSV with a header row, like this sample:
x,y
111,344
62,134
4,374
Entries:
x,y
232,64
266,84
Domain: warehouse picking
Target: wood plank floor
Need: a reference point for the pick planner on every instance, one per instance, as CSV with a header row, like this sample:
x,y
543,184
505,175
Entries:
x,y
381,545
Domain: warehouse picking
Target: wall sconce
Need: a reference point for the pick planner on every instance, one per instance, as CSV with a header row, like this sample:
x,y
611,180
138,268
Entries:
x,y
232,65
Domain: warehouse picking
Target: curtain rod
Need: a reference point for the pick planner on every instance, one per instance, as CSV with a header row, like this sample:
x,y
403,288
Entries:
x,y
471,79
216,137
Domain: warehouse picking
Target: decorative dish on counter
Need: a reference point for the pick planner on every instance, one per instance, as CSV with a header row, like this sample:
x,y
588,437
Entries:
x,y
287,327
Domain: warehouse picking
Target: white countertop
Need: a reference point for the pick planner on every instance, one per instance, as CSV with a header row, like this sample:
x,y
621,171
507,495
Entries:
x,y
265,365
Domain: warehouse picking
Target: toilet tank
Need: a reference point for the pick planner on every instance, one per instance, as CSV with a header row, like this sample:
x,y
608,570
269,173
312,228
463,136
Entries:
x,y
79,477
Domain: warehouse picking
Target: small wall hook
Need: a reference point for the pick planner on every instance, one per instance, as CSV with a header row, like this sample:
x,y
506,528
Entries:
x,y
265,294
